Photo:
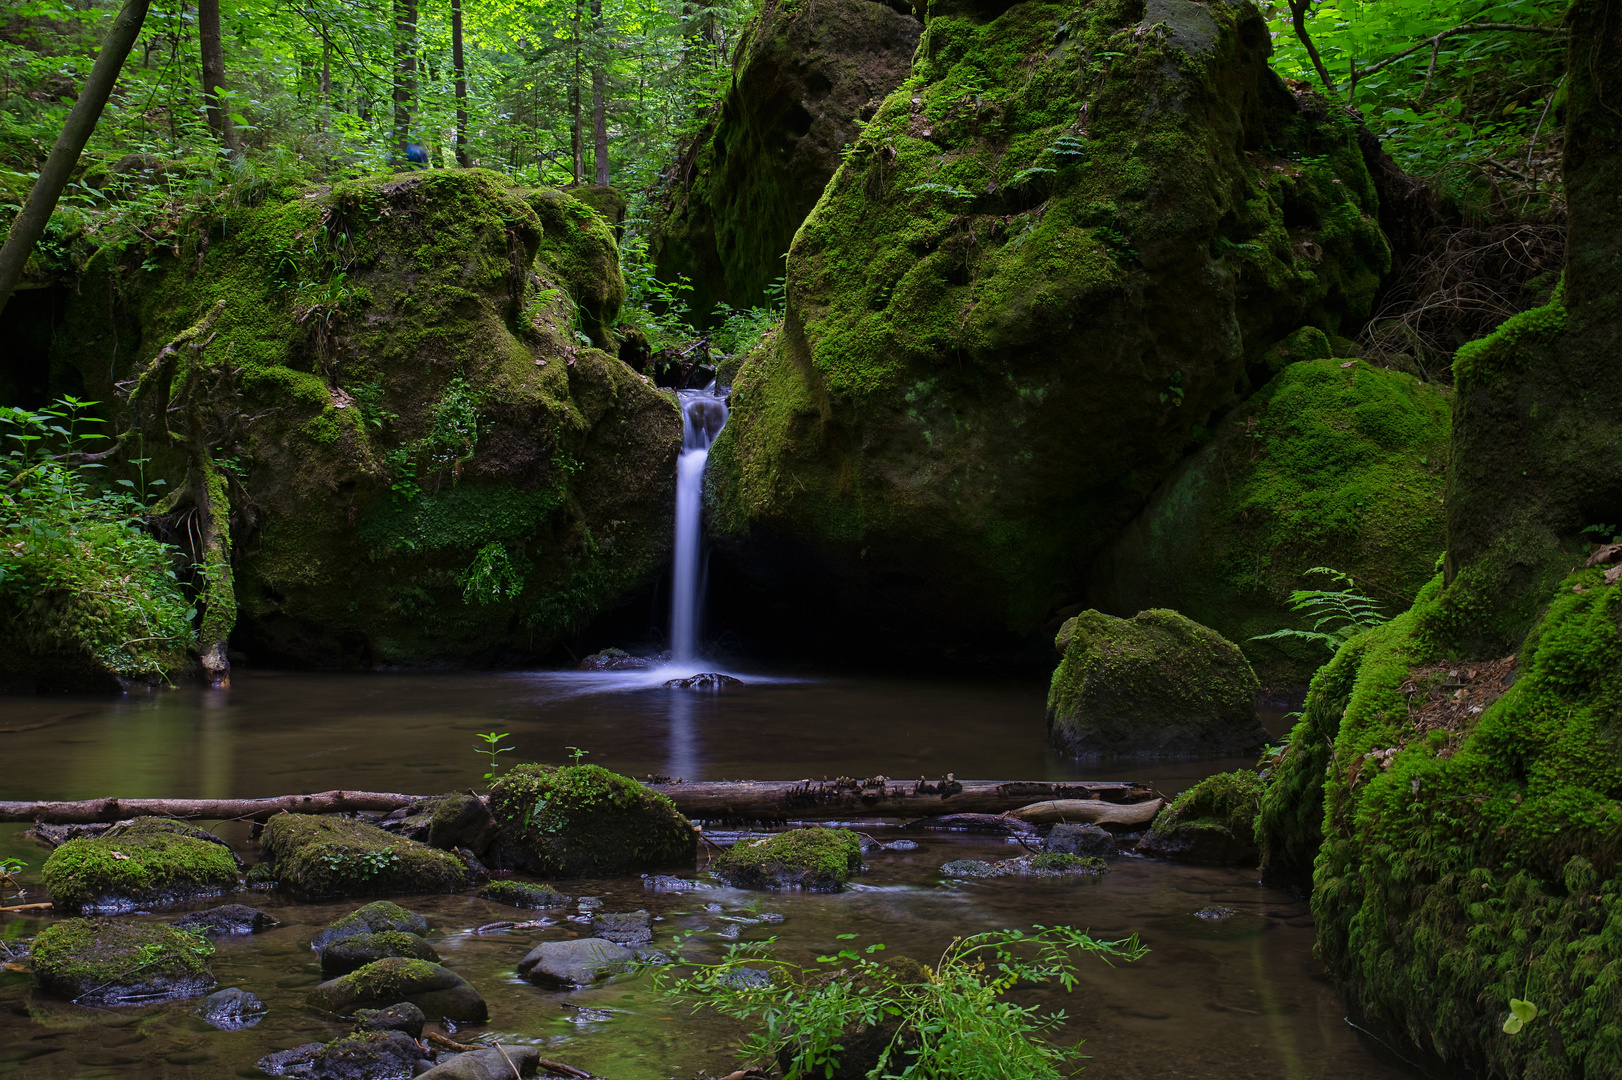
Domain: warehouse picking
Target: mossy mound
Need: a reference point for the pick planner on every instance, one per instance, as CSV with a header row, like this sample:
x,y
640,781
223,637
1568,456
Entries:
x,y
804,79
375,918
437,466
520,894
324,855
353,953
1333,463
1018,305
816,860
437,991
1213,823
106,962
1158,685
148,862
572,820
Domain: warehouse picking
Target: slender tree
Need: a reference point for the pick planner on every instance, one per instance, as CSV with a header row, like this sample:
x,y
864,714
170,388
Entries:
x,y
461,84
216,107
599,96
29,224
574,97
405,71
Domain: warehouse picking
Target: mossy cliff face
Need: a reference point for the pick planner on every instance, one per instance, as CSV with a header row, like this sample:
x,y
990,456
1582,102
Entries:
x,y
804,78
1461,763
427,459
1333,463
1039,274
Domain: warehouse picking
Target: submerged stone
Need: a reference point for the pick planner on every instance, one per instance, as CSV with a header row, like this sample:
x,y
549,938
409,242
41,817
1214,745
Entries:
x,y
295,1061
1213,823
353,953
522,894
369,1055
579,962
324,855
404,1017
436,990
629,928
378,916
231,1009
108,962
574,820
226,920
973,868
148,862
815,859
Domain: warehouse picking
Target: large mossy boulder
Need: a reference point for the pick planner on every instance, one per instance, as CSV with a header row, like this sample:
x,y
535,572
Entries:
x,y
426,459
145,863
436,990
1213,823
1157,685
322,855
1333,463
1453,785
112,962
815,859
574,820
804,79
378,917
1042,271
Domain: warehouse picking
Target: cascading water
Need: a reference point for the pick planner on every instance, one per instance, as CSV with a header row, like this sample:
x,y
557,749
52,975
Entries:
x,y
703,415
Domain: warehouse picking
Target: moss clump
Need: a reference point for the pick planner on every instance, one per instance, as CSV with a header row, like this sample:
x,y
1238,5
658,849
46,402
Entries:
x,y
574,820
1212,823
1325,466
145,863
816,860
103,962
521,894
1156,685
323,855
376,917
1060,864
356,952
436,990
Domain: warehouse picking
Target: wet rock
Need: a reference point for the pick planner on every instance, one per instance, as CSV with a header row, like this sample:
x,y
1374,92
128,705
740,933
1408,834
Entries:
x,y
227,920
354,953
1213,823
374,918
1054,864
53,836
664,883
746,978
461,821
1157,685
293,1062
324,855
1088,841
231,1009
902,845
488,1063
1214,913
705,680
107,962
145,863
369,1055
404,1017
614,660
437,991
972,868
591,821
520,894
816,860
580,962
628,928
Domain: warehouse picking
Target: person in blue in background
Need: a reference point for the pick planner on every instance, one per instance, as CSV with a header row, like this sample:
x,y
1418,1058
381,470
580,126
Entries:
x,y
416,153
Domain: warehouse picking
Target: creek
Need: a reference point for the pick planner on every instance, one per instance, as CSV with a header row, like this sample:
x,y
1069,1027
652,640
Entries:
x,y
1238,997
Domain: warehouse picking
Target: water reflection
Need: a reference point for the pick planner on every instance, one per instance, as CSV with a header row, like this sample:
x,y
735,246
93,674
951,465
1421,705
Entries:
x,y
684,736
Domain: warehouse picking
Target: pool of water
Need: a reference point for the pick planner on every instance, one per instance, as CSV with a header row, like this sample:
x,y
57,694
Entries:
x,y
1235,998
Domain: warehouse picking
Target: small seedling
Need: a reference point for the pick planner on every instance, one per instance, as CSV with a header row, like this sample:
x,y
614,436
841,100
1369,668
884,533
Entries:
x,y
9,869
491,748
576,753
1521,1013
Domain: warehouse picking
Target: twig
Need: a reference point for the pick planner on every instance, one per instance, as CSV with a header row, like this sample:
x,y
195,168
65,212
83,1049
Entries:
x,y
27,907
450,1044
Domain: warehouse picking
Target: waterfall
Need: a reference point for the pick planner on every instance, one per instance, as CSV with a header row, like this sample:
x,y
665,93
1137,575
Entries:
x,y
703,415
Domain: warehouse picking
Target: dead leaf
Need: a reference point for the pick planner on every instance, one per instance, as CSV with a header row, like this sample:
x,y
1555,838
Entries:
x,y
1349,363
1608,553
120,855
1613,575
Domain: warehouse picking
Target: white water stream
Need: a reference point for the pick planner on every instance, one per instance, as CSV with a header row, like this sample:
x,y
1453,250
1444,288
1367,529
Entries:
x,y
703,414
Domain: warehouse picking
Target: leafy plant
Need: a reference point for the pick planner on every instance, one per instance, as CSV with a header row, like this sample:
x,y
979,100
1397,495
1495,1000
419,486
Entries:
x,y
1521,1013
492,749
1337,615
950,1021
9,869
360,864
493,577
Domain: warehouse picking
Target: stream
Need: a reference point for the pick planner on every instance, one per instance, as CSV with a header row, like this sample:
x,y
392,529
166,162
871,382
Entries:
x,y
1224,999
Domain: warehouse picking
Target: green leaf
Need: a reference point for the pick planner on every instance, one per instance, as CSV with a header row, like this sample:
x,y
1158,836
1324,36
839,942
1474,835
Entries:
x,y
1521,1013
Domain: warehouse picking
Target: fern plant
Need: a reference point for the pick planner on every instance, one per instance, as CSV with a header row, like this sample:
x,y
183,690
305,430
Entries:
x,y
1337,614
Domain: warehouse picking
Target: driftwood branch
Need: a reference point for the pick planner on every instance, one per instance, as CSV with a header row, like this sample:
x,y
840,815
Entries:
x,y
747,800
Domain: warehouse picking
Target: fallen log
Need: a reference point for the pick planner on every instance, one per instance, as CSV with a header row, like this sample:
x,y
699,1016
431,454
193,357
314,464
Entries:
x,y
1088,812
88,811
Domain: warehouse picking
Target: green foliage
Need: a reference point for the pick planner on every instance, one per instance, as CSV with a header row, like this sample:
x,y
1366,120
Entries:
x,y
952,1021
1337,615
492,749
360,865
493,577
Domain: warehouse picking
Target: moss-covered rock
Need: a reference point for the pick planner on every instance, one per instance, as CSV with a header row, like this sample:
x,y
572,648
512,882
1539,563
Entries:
x,y
107,962
325,855
369,1055
437,991
148,862
375,918
574,820
426,459
522,894
804,79
815,859
1042,271
353,953
1328,465
1213,823
1157,685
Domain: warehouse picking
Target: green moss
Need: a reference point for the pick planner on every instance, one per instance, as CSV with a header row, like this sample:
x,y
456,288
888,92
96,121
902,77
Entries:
x,y
96,961
582,819
816,859
437,990
521,894
377,917
1063,864
150,863
324,855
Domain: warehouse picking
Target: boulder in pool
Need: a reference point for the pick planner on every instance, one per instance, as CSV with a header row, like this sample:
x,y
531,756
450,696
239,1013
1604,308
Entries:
x,y
112,962
1213,823
1088,841
624,928
521,894
231,1009
145,863
404,1017
1157,685
227,920
374,918
369,1055
324,855
354,953
815,859
614,660
436,990
1055,864
488,1063
579,962
574,820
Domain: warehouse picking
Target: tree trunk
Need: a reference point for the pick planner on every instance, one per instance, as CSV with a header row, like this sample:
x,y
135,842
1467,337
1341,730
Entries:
x,y
216,107
29,224
405,71
599,96
461,84
574,100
